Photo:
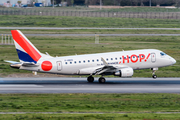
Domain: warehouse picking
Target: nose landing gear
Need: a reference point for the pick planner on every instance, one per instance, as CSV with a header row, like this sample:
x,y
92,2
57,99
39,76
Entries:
x,y
153,72
154,76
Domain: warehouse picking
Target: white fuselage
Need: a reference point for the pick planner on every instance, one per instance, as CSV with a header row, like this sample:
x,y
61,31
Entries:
x,y
136,59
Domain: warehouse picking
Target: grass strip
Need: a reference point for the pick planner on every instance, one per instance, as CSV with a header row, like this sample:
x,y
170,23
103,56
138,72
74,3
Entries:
x,y
141,9
79,102
84,8
129,116
69,21
87,31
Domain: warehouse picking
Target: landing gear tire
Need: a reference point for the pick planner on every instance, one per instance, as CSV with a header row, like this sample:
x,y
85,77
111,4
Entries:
x,y
102,80
154,76
90,79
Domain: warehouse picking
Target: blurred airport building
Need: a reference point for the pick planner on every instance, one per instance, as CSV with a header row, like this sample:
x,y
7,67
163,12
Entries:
x,y
115,3
18,3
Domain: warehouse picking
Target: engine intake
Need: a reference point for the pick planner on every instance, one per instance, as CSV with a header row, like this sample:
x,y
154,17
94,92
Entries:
x,y
125,72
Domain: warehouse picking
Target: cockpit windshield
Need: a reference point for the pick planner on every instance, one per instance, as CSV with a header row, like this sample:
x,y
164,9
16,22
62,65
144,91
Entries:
x,y
162,53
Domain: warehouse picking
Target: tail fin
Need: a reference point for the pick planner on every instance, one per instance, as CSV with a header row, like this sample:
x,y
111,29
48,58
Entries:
x,y
26,51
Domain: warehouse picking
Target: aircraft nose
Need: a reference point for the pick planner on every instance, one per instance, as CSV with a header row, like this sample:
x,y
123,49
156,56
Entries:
x,y
173,61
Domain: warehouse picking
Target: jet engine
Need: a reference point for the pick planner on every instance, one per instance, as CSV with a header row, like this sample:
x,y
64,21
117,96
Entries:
x,y
125,72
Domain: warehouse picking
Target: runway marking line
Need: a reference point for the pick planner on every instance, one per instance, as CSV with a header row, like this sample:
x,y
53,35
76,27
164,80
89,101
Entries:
x,y
18,85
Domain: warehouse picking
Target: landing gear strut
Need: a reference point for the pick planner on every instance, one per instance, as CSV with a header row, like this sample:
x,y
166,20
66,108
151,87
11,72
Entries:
x,y
153,72
90,79
102,80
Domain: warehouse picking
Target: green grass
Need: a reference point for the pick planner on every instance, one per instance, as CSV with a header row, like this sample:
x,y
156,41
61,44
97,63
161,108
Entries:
x,y
142,9
93,31
128,116
64,46
109,103
90,106
59,21
83,8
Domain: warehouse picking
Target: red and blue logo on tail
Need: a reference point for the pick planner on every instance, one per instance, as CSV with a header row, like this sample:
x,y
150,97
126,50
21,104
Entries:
x,y
27,52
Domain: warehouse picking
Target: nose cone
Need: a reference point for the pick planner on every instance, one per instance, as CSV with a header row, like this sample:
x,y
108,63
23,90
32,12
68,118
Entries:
x,y
173,61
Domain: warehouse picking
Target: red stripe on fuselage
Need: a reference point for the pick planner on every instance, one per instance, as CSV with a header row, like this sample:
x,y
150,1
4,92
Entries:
x,y
25,45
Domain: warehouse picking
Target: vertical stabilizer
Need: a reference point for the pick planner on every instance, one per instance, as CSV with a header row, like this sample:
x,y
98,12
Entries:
x,y
26,51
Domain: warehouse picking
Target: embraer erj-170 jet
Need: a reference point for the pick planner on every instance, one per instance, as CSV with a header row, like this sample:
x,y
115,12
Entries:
x,y
121,63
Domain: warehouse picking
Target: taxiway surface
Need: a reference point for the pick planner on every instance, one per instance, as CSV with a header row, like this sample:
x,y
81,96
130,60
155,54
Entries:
x,y
80,85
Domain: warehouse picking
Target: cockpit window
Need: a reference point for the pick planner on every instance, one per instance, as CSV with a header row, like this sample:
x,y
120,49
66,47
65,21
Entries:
x,y
162,54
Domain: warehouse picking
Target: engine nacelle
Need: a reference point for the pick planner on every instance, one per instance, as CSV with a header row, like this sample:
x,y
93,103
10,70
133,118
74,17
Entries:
x,y
125,72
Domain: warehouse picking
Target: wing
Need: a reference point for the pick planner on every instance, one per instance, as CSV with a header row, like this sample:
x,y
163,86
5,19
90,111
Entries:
x,y
108,68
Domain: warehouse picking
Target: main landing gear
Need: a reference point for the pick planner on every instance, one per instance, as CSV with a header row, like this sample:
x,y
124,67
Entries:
x,y
91,79
102,80
153,72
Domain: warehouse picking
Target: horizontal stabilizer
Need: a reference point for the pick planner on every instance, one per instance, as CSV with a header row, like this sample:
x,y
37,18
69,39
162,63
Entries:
x,y
27,64
15,64
12,62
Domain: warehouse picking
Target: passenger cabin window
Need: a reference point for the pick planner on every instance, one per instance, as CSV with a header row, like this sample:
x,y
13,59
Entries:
x,y
84,61
70,62
88,60
120,58
79,61
107,59
65,62
97,60
115,58
92,60
111,58
75,62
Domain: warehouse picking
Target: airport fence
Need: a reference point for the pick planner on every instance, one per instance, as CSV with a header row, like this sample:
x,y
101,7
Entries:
x,y
6,40
149,15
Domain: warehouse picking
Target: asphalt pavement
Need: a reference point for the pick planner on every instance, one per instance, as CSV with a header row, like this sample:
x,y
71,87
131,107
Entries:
x,y
80,85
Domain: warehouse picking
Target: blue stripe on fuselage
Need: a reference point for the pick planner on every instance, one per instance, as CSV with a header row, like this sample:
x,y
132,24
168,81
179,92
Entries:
x,y
24,56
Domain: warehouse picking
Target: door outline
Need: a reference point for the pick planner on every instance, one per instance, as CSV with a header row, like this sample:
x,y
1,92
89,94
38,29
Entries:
x,y
59,65
153,57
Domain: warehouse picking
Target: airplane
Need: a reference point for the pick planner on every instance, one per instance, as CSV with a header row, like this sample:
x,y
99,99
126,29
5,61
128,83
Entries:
x,y
121,63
